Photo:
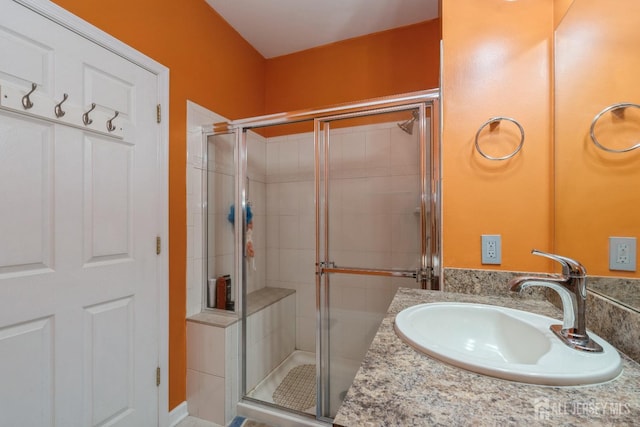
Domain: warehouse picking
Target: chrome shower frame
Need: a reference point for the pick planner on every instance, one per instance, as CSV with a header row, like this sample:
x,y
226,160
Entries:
x,y
429,273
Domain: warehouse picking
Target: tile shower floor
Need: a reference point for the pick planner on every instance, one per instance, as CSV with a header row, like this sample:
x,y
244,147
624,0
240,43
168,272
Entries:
x,y
267,387
344,369
343,372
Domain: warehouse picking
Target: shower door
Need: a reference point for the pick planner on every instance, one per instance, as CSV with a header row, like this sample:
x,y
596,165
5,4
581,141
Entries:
x,y
374,219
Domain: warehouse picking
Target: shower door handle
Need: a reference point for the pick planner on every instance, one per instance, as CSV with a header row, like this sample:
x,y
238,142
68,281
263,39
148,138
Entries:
x,y
330,267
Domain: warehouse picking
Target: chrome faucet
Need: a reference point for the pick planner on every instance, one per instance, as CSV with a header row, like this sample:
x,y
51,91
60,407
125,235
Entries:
x,y
571,285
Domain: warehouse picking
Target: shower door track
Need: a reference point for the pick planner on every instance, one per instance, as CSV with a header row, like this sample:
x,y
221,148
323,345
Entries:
x,y
429,96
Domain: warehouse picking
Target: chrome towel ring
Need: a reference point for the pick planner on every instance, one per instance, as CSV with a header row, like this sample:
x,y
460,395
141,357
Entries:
x,y
614,108
494,121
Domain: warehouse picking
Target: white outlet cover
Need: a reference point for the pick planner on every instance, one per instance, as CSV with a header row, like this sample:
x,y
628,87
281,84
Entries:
x,y
491,246
622,253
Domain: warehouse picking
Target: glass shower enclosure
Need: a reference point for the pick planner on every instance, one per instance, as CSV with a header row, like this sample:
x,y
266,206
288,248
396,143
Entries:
x,y
339,207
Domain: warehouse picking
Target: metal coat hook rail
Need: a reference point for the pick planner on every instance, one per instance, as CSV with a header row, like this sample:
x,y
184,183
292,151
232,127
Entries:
x,y
615,108
493,122
40,105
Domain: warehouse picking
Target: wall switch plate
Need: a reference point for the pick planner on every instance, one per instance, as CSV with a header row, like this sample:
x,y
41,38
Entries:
x,y
491,249
622,253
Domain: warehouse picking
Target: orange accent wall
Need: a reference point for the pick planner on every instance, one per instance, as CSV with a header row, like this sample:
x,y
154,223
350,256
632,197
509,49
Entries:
x,y
390,62
210,64
597,65
497,62
560,8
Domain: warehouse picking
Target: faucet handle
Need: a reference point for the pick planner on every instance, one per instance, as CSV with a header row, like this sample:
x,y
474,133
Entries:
x,y
570,267
577,269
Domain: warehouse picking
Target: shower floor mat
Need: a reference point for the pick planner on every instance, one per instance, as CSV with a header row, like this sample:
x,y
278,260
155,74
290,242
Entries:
x,y
266,389
298,389
271,388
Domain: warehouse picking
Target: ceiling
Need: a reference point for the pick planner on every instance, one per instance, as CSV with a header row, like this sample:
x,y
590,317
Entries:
x,y
280,27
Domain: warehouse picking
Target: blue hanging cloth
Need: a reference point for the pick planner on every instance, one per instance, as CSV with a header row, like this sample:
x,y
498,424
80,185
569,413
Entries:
x,y
232,214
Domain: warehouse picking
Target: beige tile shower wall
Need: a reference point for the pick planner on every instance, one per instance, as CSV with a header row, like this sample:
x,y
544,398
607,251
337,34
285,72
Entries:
x,y
291,227
197,117
256,196
374,173
221,195
195,237
212,371
271,337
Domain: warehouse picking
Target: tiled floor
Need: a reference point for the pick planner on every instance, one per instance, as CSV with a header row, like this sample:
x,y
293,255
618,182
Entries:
x,y
196,422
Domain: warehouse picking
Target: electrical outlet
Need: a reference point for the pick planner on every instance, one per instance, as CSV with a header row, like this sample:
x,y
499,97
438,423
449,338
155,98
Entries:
x,y
491,249
622,253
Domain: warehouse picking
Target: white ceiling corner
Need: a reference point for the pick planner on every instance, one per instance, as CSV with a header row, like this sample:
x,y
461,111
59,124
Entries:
x,y
280,27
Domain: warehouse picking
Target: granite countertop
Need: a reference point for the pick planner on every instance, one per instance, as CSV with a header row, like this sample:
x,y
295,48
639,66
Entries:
x,y
398,386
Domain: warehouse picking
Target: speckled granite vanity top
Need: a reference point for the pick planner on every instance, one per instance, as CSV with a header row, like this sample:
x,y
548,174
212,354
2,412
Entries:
x,y
399,386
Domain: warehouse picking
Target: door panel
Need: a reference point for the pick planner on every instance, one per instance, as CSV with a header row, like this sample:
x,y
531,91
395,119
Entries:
x,y
109,354
26,172
107,199
29,347
372,220
25,60
108,90
77,263
374,193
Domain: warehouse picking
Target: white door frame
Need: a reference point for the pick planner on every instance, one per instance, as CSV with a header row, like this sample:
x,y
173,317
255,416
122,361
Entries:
x,y
62,17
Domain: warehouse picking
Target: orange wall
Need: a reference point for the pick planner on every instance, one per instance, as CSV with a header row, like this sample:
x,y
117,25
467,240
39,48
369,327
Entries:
x,y
560,8
497,62
598,194
213,66
209,64
385,63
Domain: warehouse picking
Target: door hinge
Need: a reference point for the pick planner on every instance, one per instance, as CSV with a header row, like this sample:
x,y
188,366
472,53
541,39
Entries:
x,y
158,113
158,376
158,245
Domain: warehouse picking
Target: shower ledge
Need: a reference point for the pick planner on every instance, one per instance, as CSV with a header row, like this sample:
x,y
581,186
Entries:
x,y
256,301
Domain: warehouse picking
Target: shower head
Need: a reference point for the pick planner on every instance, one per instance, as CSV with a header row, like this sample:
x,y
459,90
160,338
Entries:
x,y
407,126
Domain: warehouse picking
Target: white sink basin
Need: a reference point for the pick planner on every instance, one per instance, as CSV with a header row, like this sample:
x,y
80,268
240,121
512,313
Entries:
x,y
505,343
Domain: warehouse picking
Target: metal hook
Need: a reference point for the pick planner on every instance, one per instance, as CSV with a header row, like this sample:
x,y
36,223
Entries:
x,y
58,108
110,126
26,102
85,117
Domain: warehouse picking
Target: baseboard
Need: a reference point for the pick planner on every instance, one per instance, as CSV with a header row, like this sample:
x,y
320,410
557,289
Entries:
x,y
178,414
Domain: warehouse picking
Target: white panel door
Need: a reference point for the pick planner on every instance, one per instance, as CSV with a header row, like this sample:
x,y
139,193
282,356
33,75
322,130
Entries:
x,y
78,224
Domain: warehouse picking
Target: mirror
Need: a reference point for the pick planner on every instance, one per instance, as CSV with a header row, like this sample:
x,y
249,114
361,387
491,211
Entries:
x,y
596,191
